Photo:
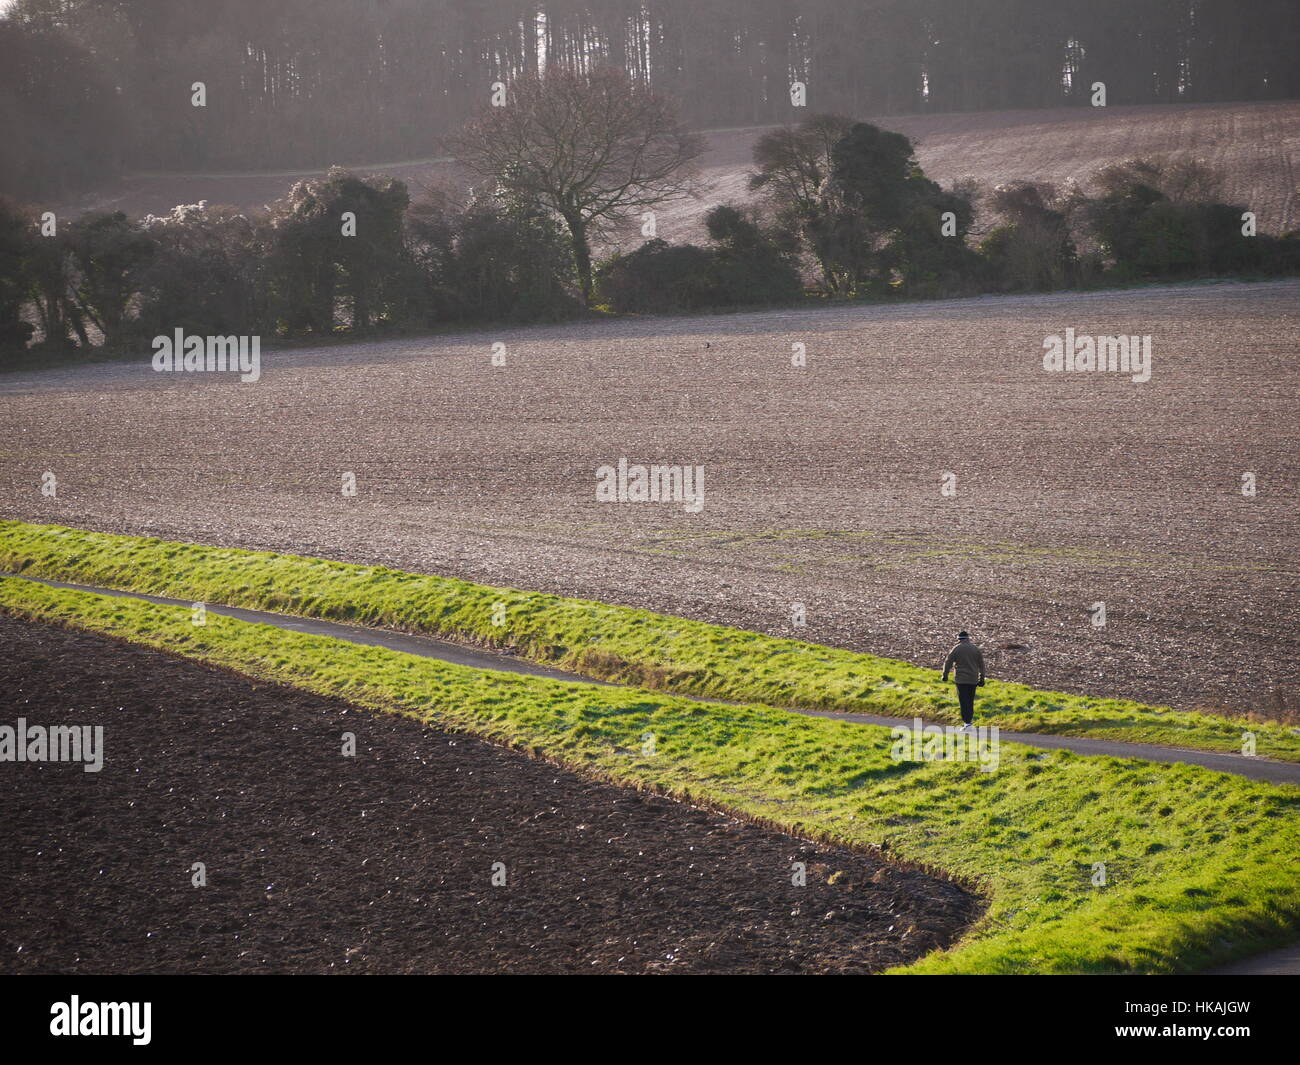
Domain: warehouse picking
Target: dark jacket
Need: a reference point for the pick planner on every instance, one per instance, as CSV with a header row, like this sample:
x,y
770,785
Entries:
x,y
969,662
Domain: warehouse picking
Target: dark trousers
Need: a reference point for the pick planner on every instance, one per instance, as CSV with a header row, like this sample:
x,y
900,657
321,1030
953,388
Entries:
x,y
966,696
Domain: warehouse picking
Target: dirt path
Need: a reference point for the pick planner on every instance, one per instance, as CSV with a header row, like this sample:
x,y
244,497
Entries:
x,y
383,862
1285,961
1253,768
824,484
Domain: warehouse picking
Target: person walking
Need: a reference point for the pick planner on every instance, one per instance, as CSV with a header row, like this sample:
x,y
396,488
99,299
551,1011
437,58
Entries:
x,y
968,662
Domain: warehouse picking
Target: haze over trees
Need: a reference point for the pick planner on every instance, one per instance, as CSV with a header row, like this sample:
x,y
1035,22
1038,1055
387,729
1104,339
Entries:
x,y
565,152
589,148
351,254
88,87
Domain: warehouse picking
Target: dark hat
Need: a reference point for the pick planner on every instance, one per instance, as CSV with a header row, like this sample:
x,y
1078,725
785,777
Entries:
x,y
963,635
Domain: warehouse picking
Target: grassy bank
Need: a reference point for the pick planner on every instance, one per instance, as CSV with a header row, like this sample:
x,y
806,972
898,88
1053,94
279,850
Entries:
x,y
1199,865
620,644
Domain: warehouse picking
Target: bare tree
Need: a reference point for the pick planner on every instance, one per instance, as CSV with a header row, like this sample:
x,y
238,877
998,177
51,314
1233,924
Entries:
x,y
592,148
793,163
1181,179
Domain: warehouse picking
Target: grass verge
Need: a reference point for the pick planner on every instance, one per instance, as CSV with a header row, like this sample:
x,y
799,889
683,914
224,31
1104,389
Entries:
x,y
620,644
1200,866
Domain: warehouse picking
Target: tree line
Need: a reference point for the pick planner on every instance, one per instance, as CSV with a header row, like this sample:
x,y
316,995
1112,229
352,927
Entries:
x,y
90,86
842,211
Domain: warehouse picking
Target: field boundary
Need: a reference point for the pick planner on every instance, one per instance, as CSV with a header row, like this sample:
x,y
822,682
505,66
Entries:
x,y
484,658
1200,860
622,645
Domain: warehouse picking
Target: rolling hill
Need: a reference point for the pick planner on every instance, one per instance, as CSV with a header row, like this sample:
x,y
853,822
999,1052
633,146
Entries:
x,y
1252,143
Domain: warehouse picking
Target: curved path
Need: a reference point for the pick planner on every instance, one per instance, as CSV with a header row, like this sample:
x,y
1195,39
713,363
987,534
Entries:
x,y
1285,961
1253,768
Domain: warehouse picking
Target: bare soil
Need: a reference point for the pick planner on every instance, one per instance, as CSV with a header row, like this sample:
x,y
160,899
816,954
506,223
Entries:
x,y
823,484
382,862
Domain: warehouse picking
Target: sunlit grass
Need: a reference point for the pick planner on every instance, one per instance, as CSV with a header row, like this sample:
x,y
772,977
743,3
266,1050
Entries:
x,y
620,644
1200,866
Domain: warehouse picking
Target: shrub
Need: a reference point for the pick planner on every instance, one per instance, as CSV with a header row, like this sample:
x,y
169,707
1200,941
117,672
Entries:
x,y
1033,248
508,262
317,274
749,263
204,275
15,280
108,253
657,278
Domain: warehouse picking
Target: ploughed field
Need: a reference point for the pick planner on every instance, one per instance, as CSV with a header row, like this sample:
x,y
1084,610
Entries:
x,y
1252,144
823,485
384,862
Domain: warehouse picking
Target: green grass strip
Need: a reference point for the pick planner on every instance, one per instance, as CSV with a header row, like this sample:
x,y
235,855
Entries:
x,y
1200,865
620,644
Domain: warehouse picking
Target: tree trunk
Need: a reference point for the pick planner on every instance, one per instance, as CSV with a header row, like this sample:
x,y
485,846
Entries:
x,y
360,304
79,327
581,254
